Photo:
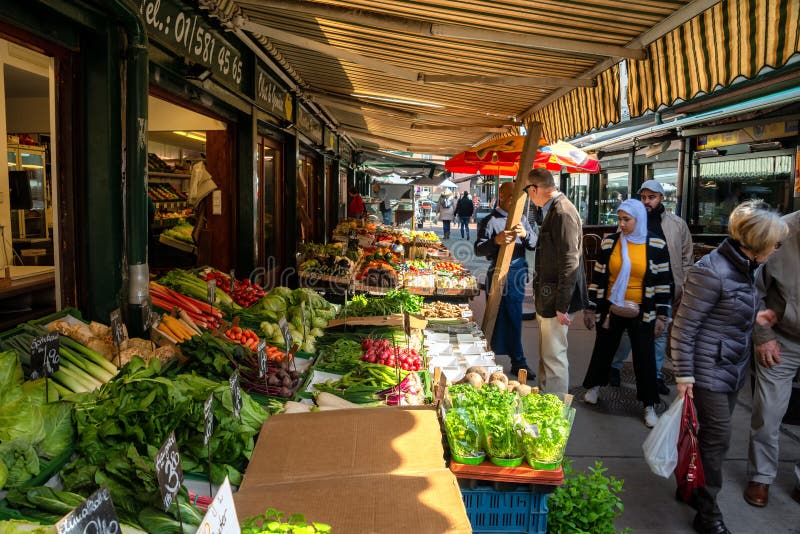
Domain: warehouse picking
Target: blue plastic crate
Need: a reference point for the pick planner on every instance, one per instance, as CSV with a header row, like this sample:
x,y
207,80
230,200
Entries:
x,y
521,510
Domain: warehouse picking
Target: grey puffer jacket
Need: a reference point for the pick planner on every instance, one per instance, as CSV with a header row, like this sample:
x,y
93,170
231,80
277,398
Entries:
x,y
710,340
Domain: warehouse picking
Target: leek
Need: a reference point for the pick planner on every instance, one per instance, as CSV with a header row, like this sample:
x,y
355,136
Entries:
x,y
87,366
91,355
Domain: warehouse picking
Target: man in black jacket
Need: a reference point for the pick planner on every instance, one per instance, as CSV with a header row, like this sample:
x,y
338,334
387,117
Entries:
x,y
463,212
559,283
492,233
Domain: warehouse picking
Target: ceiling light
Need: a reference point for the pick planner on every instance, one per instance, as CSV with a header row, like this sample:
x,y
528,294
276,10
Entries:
x,y
197,136
707,153
397,100
769,145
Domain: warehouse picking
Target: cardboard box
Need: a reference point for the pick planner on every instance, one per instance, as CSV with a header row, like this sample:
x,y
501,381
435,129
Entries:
x,y
342,443
380,504
365,470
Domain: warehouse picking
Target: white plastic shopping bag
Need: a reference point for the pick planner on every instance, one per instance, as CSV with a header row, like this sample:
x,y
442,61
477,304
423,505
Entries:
x,y
661,446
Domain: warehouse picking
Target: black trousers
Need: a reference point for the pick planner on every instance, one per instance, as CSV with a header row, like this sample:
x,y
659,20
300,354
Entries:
x,y
644,359
714,411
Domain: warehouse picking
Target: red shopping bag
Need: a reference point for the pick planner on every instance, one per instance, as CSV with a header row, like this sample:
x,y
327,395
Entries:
x,y
689,471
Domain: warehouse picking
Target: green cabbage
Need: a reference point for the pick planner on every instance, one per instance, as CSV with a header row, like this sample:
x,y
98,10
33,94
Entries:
x,y
11,377
36,390
21,419
60,431
21,460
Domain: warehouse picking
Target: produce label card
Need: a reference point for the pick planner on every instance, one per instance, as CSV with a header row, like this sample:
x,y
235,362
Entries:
x,y
208,416
168,470
94,515
221,515
147,314
287,335
262,359
236,395
117,330
211,291
45,359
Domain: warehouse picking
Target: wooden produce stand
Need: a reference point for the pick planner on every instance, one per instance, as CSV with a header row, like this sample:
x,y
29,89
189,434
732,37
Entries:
x,y
359,470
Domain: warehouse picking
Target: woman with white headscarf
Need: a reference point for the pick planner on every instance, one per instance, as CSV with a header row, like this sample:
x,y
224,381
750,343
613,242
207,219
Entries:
x,y
631,292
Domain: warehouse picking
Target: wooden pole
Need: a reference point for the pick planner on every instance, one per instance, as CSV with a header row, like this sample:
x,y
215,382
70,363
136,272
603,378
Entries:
x,y
514,216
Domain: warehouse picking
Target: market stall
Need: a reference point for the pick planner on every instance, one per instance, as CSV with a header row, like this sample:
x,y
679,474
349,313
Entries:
x,y
226,350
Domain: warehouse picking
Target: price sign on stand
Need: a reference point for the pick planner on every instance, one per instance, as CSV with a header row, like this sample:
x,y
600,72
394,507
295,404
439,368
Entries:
x,y
236,395
168,471
211,291
147,315
287,335
221,515
208,430
262,358
45,359
95,514
117,329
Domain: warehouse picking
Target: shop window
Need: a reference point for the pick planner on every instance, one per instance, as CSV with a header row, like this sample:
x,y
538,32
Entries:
x,y
721,185
578,193
613,190
668,178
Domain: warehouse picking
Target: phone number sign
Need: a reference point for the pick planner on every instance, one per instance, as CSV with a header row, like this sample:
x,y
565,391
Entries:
x,y
186,32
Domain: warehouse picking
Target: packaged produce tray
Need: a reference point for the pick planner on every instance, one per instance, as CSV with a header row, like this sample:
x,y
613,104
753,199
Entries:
x,y
520,510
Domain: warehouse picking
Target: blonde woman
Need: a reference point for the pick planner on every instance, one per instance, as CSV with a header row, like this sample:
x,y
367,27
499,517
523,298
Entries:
x,y
711,340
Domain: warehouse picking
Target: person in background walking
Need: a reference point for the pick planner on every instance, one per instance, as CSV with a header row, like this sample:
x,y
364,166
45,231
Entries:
x,y
492,233
710,340
675,232
385,205
476,201
776,336
559,282
463,211
631,292
446,209
356,207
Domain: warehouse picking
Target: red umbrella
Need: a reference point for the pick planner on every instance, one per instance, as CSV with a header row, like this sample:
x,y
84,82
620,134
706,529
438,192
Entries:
x,y
501,157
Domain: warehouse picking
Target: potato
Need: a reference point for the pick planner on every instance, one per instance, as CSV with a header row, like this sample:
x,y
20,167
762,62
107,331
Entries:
x,y
482,371
499,375
523,390
474,379
499,384
513,383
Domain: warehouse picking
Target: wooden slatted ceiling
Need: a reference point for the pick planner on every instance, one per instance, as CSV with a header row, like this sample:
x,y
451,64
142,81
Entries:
x,y
605,21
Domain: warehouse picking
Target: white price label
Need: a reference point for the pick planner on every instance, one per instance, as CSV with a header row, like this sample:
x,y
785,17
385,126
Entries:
x,y
221,515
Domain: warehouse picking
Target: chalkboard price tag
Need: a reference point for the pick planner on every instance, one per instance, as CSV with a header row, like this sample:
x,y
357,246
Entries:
x,y
236,395
233,279
287,335
117,329
262,358
168,470
221,515
407,324
95,514
44,355
208,417
147,314
211,291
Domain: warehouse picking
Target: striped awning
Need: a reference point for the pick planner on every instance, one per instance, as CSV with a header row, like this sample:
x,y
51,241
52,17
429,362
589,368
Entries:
x,y
582,109
734,38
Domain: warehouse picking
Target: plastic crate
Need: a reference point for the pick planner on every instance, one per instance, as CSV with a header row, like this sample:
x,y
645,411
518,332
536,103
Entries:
x,y
519,510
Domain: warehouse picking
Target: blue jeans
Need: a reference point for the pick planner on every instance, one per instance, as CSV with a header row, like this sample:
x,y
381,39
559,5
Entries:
x,y
624,349
387,217
446,228
463,225
507,336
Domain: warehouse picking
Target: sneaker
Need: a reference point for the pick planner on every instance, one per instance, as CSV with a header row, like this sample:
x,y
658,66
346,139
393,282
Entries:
x,y
614,377
650,417
592,396
662,387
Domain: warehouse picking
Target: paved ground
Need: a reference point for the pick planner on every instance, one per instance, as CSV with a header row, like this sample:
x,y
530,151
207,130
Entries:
x,y
613,433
